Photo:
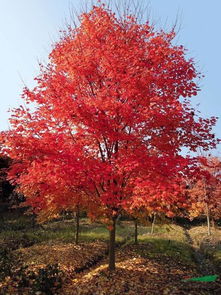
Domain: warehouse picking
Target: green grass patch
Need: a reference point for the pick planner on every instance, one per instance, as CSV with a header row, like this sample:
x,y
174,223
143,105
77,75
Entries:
x,y
157,248
19,227
168,241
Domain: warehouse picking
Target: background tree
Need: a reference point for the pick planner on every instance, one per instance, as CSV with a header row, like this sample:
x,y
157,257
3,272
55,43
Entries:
x,y
112,110
204,192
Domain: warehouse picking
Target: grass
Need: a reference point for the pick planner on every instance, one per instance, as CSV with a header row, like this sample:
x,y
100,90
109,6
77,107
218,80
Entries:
x,y
167,240
15,226
171,249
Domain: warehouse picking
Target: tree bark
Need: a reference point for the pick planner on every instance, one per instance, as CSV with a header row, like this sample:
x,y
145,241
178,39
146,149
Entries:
x,y
153,223
135,232
112,235
208,220
77,220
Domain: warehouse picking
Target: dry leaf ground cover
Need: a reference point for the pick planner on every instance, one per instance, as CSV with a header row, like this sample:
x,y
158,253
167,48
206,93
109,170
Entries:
x,y
136,273
69,258
156,266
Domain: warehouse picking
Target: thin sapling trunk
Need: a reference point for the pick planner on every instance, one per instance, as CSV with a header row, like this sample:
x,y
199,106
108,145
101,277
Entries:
x,y
77,220
153,223
208,220
135,232
112,237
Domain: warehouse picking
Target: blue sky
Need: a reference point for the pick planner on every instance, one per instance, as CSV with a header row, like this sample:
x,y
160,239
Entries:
x,y
29,27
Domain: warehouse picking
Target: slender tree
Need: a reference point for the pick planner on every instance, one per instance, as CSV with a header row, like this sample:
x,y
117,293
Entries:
x,y
153,222
204,191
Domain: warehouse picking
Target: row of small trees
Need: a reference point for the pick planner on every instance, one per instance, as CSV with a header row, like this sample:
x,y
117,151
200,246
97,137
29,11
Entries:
x,y
109,116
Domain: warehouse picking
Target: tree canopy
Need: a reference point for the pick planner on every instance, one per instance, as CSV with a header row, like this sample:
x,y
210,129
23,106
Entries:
x,y
111,115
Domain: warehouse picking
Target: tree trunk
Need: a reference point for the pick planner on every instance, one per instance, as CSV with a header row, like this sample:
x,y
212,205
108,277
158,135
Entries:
x,y
208,220
135,232
77,220
153,223
112,234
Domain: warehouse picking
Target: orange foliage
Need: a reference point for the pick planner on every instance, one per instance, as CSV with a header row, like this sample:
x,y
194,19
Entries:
x,y
205,190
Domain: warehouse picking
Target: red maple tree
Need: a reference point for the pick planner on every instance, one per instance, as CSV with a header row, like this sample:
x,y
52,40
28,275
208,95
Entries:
x,y
111,114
